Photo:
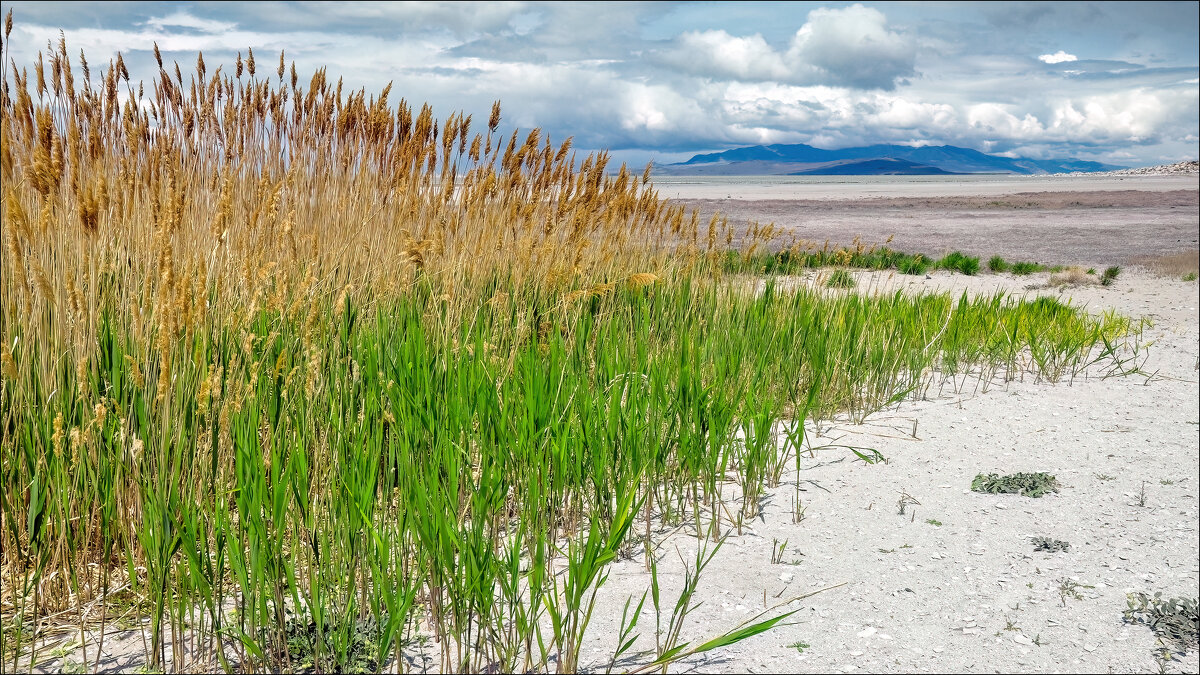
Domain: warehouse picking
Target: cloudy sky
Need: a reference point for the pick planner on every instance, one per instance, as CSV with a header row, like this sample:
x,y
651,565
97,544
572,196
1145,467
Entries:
x,y
1115,82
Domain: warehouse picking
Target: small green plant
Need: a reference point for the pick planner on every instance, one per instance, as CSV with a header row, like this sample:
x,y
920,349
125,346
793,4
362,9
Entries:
x,y
997,264
1027,484
798,509
1176,622
904,501
1190,276
1069,588
1110,275
934,522
1091,271
1166,481
840,278
799,646
777,550
1142,495
70,667
1105,476
1048,545
628,624
1024,268
871,456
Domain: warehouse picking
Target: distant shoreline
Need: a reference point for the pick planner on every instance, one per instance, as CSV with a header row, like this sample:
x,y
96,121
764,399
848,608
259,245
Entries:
x,y
754,188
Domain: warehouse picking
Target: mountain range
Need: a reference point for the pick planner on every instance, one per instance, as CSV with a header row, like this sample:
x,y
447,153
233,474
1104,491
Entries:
x,y
872,160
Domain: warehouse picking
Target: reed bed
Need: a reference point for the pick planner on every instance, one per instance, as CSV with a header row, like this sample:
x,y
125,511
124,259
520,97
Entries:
x,y
296,373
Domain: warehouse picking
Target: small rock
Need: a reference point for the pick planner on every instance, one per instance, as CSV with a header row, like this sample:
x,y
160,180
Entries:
x,y
939,650
1022,640
868,632
1089,648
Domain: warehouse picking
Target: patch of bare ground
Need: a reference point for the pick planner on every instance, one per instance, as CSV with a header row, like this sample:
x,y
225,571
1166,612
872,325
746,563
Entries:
x,y
1091,228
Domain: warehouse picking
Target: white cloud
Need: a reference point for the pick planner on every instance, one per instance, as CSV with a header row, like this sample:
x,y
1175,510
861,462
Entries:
x,y
843,47
181,19
742,58
854,47
1057,57
839,80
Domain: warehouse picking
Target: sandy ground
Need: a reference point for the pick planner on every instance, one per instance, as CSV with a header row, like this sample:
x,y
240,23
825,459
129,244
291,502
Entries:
x,y
965,592
968,593
1052,220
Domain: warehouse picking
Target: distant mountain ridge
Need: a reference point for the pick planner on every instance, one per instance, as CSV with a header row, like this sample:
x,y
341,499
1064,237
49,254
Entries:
x,y
800,159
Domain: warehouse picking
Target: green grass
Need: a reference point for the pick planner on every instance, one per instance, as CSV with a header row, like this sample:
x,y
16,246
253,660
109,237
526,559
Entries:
x,y
840,278
957,261
354,457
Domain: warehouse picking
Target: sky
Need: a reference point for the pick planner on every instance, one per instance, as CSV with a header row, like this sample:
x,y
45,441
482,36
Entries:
x,y
1112,82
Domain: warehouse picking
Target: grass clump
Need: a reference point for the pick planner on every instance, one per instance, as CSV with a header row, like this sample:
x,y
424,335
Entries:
x,y
1190,276
997,264
958,261
1024,268
840,279
1110,275
1027,484
1072,276
915,264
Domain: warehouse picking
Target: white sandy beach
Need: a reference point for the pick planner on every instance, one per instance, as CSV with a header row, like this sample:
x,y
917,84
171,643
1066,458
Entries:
x,y
967,592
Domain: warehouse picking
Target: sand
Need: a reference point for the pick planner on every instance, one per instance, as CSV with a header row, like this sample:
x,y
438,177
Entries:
x,y
954,585
967,593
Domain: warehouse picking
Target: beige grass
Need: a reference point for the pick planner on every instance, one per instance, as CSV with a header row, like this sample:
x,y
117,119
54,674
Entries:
x,y
1073,276
1173,265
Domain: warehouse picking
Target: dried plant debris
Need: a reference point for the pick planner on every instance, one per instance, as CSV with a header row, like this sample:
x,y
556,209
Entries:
x,y
1174,621
1049,545
1028,484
